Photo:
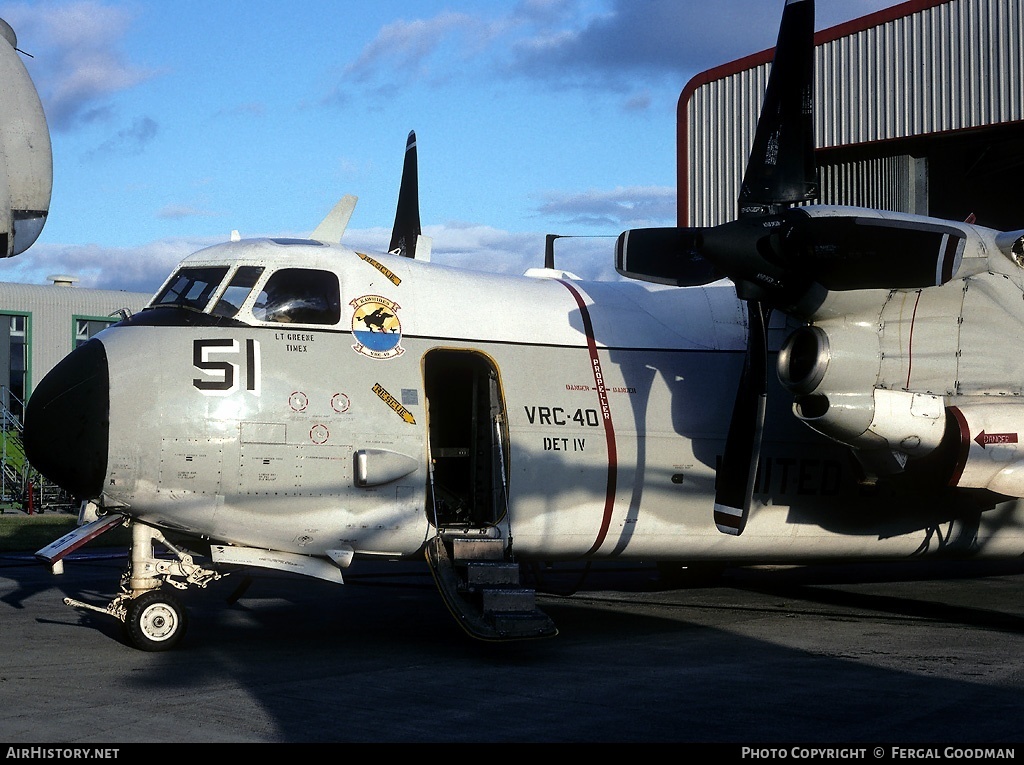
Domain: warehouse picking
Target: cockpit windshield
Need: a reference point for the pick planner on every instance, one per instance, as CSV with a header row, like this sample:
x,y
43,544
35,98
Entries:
x,y
191,287
288,295
300,296
237,291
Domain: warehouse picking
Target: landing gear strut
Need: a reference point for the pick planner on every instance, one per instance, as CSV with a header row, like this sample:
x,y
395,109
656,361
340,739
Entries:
x,y
154,619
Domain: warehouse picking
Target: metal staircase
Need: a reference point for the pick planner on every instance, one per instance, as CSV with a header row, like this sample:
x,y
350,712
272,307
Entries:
x,y
481,586
21,486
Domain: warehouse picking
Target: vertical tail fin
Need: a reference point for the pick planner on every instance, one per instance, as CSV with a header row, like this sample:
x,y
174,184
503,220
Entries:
x,y
407,216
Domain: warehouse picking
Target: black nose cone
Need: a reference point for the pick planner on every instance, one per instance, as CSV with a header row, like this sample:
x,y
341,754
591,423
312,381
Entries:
x,y
67,420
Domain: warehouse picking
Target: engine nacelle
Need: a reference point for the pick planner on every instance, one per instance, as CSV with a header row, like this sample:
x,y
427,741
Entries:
x,y
832,370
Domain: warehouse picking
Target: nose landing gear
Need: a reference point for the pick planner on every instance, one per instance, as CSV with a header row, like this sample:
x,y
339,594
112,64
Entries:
x,y
154,619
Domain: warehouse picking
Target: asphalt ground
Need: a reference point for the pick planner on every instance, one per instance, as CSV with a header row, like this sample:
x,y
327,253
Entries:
x,y
896,655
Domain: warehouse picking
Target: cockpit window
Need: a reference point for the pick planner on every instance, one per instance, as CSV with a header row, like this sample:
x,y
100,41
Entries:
x,y
300,296
191,287
237,291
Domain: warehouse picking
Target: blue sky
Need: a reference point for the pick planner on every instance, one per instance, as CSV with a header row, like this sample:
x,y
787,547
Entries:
x,y
174,123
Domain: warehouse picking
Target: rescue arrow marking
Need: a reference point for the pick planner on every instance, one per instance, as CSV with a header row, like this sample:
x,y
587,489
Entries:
x,y
393,402
984,438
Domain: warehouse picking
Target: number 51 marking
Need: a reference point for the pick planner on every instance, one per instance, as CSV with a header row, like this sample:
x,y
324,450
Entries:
x,y
223,376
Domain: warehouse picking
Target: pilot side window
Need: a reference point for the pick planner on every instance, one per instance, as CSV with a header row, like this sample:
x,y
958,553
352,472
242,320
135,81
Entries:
x,y
300,296
191,287
238,290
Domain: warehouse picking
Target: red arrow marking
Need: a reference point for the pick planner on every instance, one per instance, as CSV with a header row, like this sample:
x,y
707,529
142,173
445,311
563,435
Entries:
x,y
984,438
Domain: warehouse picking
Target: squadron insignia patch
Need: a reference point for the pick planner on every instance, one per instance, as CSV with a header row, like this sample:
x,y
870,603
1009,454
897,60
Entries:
x,y
376,327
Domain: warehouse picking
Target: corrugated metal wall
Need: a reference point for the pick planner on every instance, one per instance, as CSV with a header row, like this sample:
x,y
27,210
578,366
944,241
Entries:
x,y
951,66
52,310
896,182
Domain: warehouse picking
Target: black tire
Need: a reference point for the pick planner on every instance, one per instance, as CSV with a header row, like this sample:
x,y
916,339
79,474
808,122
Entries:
x,y
156,621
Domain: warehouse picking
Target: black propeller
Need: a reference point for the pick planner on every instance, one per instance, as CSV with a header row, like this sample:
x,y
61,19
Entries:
x,y
780,171
734,486
778,256
780,168
407,216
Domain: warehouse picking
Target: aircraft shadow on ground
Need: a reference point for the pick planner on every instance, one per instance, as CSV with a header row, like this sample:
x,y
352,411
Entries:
x,y
380,659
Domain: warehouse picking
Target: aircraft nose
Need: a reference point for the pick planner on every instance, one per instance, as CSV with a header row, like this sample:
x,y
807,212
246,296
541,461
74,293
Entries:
x,y
67,421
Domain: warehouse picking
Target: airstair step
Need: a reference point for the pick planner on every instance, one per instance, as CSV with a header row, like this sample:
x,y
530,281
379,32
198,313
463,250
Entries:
x,y
480,548
508,600
492,611
491,573
522,625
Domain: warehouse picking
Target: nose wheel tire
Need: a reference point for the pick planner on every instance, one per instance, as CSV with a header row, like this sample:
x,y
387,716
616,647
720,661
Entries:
x,y
155,621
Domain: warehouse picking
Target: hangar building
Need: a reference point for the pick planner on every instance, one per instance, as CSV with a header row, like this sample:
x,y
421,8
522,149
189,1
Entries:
x,y
40,325
919,108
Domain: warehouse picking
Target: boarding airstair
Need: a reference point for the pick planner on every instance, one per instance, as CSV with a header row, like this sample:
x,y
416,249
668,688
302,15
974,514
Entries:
x,y
482,588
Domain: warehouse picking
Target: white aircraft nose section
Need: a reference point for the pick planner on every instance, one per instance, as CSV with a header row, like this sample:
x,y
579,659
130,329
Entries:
x,y
67,421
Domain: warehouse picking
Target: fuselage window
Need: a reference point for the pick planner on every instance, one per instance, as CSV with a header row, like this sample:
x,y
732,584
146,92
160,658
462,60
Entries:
x,y
300,296
191,287
237,291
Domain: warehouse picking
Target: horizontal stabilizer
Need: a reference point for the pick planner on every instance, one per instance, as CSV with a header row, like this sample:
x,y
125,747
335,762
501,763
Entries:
x,y
332,227
424,245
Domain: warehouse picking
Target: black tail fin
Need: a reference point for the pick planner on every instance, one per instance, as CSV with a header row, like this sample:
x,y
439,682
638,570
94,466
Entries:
x,y
407,216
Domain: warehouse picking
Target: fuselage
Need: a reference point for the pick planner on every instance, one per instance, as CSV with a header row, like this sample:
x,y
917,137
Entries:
x,y
302,397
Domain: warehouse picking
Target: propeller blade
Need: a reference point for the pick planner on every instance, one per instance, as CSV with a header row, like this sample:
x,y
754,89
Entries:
x,y
780,168
850,253
664,256
735,481
407,215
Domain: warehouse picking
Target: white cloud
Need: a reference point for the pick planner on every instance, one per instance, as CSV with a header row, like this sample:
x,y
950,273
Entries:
x,y
77,64
619,208
134,269
143,269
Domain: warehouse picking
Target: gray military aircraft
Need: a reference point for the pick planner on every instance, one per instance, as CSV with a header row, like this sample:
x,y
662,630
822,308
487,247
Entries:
x,y
300,405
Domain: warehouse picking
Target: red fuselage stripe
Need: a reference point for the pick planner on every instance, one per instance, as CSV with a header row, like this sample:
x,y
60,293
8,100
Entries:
x,y
606,417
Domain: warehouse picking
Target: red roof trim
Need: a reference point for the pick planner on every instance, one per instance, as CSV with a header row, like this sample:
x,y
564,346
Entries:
x,y
722,71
